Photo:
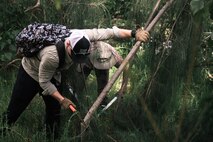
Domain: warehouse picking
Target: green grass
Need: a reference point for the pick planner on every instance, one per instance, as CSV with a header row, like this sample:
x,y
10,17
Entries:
x,y
130,122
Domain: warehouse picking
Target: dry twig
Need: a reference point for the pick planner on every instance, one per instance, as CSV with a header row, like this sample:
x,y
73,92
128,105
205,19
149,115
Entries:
x,y
38,4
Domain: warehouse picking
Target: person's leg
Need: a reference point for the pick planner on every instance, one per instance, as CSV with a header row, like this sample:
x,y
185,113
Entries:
x,y
24,90
78,81
102,80
52,118
86,70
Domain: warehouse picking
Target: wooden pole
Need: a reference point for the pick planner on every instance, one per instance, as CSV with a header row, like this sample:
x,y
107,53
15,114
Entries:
x,y
151,16
131,54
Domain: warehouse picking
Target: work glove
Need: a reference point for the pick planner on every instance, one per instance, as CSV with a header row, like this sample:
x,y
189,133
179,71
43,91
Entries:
x,y
142,35
65,103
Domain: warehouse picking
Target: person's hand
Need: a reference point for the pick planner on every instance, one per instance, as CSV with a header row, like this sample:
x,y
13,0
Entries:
x,y
142,35
65,103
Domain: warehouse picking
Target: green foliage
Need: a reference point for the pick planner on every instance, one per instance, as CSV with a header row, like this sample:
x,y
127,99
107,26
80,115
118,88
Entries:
x,y
7,47
172,110
196,5
58,4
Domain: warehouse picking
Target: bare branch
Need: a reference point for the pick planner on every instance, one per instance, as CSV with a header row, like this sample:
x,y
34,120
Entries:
x,y
34,7
11,63
151,16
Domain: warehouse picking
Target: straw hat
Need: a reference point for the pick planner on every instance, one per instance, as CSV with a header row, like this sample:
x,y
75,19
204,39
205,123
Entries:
x,y
102,55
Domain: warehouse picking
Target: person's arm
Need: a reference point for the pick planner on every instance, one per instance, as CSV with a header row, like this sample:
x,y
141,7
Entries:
x,y
64,102
47,69
115,32
57,96
123,33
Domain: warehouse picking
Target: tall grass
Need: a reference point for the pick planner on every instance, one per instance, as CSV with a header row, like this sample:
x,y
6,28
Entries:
x,y
127,121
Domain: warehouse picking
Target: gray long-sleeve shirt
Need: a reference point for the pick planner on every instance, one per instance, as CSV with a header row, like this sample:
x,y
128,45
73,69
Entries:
x,y
44,67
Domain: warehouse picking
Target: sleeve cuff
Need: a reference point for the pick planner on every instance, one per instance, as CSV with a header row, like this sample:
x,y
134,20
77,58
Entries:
x,y
50,90
116,31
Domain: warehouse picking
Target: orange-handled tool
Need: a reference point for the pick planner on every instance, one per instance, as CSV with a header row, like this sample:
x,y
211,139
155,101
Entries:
x,y
72,108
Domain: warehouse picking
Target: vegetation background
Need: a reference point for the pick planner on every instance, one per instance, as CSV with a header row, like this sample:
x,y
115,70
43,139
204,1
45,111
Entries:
x,y
169,96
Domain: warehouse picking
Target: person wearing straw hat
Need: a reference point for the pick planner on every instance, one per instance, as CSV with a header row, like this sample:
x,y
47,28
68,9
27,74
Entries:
x,y
102,57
